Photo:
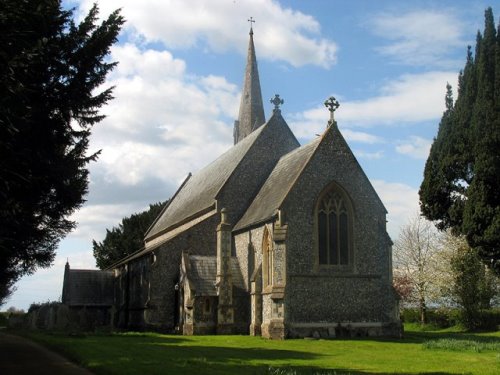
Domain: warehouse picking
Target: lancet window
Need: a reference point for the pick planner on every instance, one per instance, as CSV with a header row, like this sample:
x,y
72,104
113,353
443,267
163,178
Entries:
x,y
333,216
267,259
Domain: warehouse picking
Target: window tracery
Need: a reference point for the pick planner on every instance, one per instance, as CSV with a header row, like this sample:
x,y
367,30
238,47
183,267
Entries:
x,y
333,215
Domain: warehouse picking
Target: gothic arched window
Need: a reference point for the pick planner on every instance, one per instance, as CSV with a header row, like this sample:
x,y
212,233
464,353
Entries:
x,y
334,216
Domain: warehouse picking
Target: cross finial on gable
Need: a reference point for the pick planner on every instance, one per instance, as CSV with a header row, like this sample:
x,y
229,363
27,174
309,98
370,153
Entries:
x,y
277,101
252,21
332,104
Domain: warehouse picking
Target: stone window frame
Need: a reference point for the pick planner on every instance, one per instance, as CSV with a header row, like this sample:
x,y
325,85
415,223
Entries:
x,y
267,258
349,207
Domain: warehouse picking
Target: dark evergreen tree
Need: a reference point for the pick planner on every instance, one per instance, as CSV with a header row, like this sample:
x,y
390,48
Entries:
x,y
461,182
482,211
125,239
50,70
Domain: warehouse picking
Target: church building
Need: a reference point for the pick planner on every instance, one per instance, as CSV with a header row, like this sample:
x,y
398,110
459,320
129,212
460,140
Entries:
x,y
272,238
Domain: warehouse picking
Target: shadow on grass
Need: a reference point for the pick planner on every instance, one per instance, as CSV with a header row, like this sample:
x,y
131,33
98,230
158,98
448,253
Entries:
x,y
165,357
152,354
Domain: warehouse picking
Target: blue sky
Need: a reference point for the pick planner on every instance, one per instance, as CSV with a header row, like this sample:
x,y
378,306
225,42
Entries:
x,y
180,75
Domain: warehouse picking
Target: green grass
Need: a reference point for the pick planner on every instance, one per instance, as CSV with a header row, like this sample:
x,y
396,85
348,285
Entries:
x,y
462,345
421,351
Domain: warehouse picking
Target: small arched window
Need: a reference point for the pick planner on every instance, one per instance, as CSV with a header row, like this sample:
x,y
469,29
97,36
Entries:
x,y
267,258
334,216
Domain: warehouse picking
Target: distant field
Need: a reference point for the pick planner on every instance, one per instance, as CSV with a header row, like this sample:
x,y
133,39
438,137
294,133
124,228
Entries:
x,y
429,352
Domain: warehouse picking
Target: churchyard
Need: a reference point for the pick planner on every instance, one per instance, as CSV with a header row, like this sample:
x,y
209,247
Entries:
x,y
447,351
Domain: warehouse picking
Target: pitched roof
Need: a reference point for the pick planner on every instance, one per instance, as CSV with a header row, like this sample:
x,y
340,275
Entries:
x,y
203,271
277,185
283,177
199,192
88,288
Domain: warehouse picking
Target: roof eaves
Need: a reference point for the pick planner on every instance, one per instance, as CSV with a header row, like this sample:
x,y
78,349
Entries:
x,y
254,224
146,250
184,221
123,260
167,205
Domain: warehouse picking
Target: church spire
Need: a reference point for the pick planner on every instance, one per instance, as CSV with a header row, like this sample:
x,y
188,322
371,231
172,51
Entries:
x,y
251,114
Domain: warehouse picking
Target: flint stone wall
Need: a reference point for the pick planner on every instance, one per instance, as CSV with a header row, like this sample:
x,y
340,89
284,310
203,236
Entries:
x,y
152,304
362,292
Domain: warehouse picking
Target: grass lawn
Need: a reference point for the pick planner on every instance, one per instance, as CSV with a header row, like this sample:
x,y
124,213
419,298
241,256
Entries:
x,y
429,352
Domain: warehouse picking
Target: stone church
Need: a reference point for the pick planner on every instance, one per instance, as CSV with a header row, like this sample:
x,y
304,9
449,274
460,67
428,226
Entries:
x,y
272,238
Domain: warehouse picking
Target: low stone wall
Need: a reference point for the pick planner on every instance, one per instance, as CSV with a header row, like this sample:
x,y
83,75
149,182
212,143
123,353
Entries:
x,y
57,316
345,330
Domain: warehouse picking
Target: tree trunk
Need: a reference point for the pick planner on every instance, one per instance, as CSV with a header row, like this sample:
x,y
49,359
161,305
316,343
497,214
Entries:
x,y
423,311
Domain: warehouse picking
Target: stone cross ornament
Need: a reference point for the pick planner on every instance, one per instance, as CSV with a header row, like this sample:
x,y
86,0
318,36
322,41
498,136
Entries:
x,y
332,104
277,101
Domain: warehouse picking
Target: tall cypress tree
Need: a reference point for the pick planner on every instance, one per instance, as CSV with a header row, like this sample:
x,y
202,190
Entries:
x,y
50,70
461,182
482,211
437,182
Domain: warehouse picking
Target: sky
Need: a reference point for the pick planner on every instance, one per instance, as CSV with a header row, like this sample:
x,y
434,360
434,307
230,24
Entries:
x,y
177,93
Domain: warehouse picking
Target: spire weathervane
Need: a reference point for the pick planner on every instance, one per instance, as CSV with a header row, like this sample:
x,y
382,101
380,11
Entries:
x,y
332,104
277,101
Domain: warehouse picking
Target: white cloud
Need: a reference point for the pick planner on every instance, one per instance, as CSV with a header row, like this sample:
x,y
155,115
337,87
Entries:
x,y
93,219
408,99
361,137
420,37
285,34
163,121
401,201
415,147
368,155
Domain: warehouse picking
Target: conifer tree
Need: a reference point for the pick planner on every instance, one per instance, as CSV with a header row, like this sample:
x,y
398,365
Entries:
x,y
125,239
461,182
50,72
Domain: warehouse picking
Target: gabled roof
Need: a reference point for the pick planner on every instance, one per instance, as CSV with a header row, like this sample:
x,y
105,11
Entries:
x,y
88,288
202,272
285,174
198,193
277,185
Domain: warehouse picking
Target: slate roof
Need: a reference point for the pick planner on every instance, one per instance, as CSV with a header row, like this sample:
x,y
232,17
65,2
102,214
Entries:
x,y
199,192
202,273
88,288
277,185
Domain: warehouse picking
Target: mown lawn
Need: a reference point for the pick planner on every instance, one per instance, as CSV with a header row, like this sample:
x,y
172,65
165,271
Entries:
x,y
429,352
